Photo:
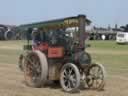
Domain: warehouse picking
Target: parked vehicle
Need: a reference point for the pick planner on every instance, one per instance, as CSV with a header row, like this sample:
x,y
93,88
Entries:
x,y
122,37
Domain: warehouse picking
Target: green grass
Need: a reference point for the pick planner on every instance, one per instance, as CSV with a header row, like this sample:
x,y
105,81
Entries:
x,y
113,56
108,45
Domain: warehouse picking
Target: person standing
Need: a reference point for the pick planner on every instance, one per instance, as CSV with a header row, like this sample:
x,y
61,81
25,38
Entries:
x,y
36,39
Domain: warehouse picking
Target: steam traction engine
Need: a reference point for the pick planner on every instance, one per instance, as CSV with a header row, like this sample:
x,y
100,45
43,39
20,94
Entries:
x,y
61,56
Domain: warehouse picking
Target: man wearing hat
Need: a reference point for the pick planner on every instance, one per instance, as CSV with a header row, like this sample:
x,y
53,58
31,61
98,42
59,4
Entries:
x,y
36,39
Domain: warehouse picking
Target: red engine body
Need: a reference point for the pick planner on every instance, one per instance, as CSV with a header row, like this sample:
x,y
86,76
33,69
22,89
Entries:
x,y
55,52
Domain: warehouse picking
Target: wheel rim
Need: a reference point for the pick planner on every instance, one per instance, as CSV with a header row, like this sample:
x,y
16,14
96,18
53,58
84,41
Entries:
x,y
33,68
69,78
95,77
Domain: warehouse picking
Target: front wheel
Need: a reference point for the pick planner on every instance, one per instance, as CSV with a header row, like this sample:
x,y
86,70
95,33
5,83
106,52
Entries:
x,y
95,77
70,77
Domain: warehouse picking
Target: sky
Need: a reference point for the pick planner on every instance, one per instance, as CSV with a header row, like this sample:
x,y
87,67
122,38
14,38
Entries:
x,y
100,12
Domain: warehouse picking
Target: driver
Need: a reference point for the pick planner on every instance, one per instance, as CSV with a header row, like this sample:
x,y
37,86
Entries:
x,y
36,39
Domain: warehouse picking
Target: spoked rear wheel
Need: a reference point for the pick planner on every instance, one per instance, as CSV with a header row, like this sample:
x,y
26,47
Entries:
x,y
95,78
70,77
36,69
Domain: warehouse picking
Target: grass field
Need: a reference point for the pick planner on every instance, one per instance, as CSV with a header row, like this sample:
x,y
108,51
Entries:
x,y
113,56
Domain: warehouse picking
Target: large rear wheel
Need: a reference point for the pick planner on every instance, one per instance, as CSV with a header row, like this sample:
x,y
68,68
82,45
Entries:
x,y
35,69
70,77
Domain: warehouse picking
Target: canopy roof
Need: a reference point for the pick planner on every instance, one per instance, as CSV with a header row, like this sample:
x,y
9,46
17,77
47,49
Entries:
x,y
57,23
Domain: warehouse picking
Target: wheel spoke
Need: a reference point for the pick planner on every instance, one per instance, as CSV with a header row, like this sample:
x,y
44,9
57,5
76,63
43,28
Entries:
x,y
73,82
69,84
70,71
65,73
